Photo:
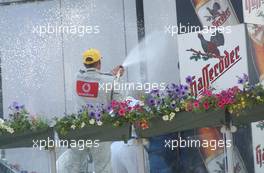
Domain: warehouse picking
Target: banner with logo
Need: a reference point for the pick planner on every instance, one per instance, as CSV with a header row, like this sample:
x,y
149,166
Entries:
x,y
256,42
253,11
213,59
258,145
215,12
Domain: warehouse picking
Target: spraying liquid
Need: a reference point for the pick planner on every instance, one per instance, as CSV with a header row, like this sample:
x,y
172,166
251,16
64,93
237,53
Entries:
x,y
149,49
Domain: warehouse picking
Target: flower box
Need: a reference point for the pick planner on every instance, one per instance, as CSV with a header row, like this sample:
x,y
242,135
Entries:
x,y
183,121
24,139
103,133
253,114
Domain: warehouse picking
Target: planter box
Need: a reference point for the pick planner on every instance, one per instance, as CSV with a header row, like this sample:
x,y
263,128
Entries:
x,y
24,139
253,114
103,133
183,121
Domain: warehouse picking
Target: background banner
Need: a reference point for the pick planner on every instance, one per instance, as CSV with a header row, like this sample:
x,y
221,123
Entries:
x,y
213,59
258,145
253,11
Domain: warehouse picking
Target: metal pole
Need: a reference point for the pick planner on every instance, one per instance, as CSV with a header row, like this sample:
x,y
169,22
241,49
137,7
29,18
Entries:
x,y
53,167
230,150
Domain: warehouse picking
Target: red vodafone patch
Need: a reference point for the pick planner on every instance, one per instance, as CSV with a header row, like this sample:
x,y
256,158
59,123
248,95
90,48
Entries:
x,y
87,89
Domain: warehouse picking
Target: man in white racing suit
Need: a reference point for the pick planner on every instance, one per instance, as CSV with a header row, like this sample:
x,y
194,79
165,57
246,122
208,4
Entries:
x,y
91,89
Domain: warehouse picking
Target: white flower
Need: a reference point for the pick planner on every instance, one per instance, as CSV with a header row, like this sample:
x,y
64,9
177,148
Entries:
x,y
92,121
82,125
73,127
99,123
258,98
177,109
165,117
172,115
10,130
111,114
173,102
1,121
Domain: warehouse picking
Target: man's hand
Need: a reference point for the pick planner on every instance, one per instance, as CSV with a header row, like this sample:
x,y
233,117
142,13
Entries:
x,y
119,70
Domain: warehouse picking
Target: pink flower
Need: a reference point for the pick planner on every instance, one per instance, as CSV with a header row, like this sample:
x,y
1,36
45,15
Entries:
x,y
123,104
220,104
114,103
224,101
196,104
206,105
235,89
122,112
218,96
130,108
207,92
136,107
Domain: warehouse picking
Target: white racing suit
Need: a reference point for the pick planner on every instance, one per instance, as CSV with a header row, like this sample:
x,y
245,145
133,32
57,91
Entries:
x,y
89,89
130,157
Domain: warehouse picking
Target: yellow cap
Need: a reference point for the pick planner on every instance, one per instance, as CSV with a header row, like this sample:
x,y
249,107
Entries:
x,y
91,56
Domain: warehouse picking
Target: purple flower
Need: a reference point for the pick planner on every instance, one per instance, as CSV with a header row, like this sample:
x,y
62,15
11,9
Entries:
x,y
171,86
155,93
188,79
177,90
173,106
80,111
181,86
15,106
92,114
98,115
243,80
109,109
185,87
245,77
151,102
158,102
240,81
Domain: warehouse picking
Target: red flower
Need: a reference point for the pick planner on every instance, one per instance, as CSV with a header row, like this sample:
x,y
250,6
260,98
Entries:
x,y
220,104
122,112
114,104
224,101
206,105
129,108
207,92
144,124
196,104
123,104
